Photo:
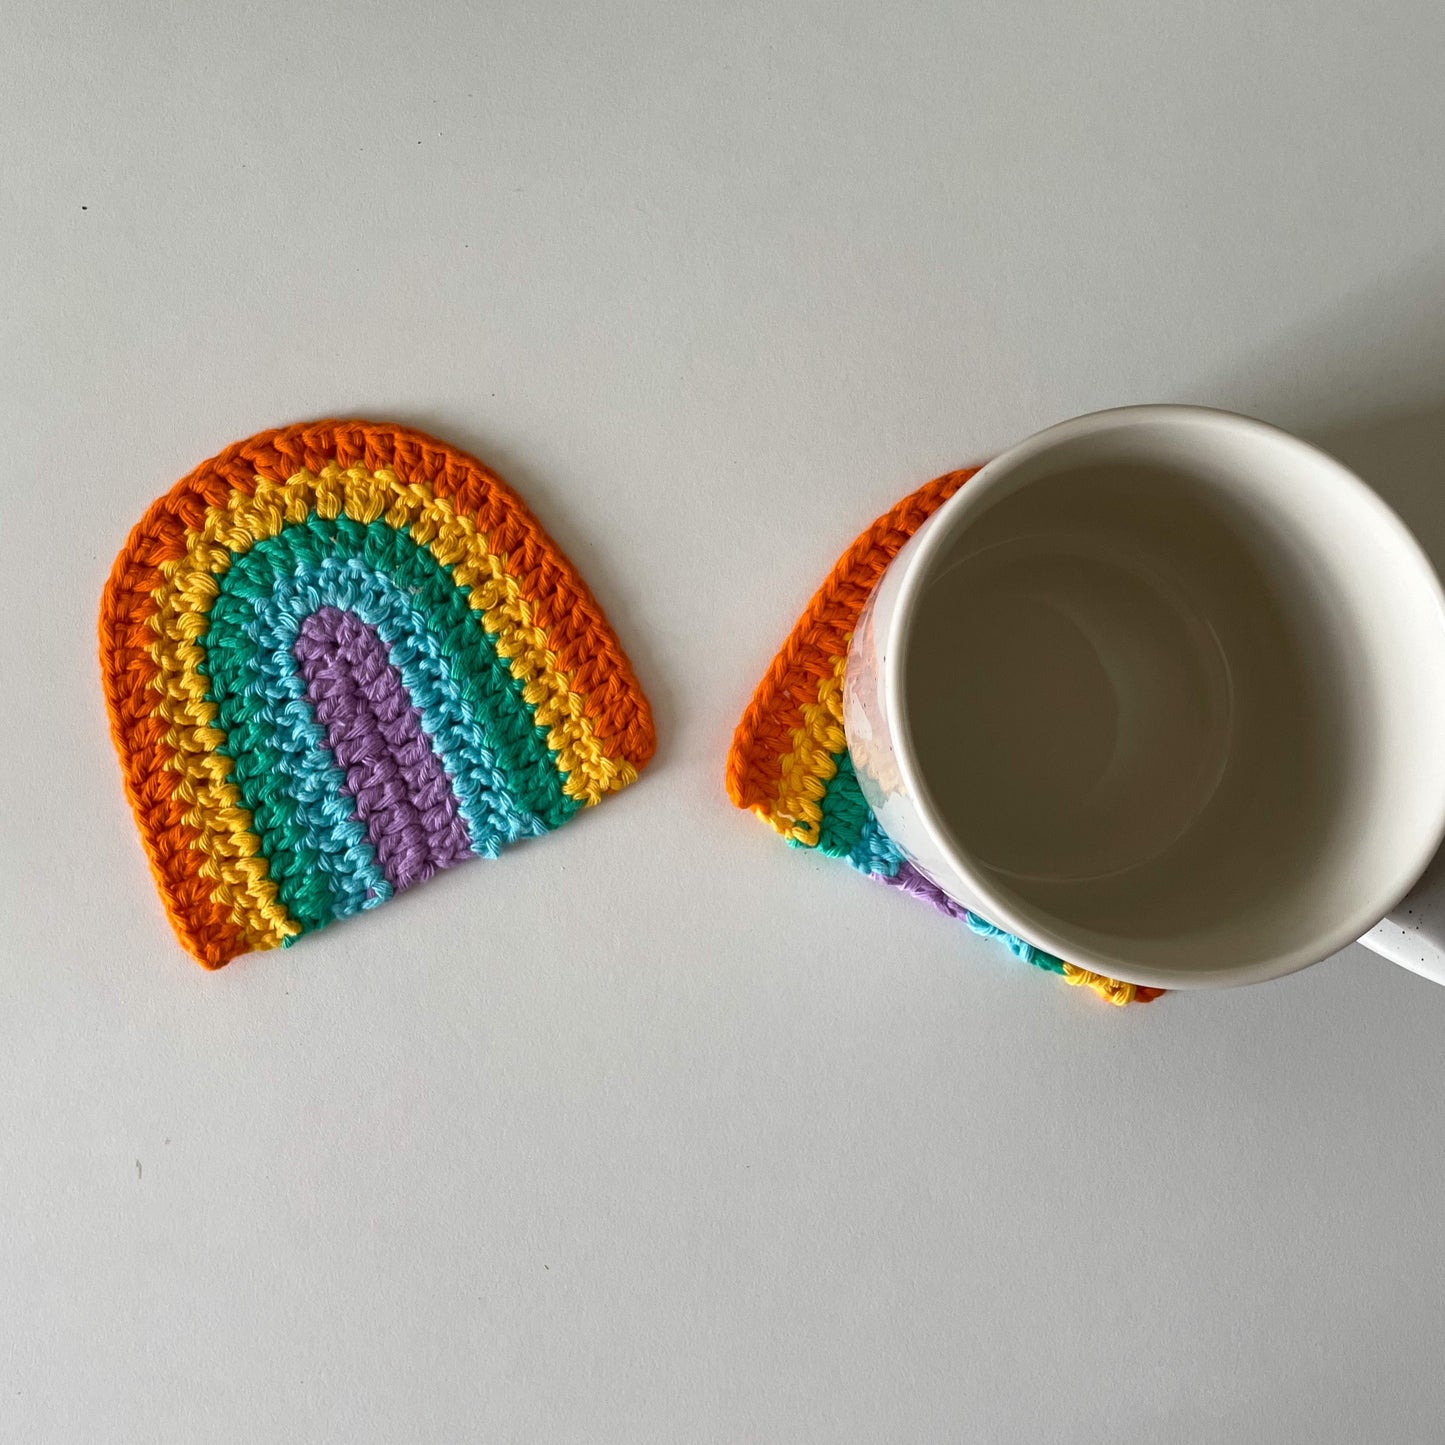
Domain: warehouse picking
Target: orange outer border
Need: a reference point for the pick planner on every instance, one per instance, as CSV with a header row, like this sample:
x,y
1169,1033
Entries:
x,y
578,634
764,735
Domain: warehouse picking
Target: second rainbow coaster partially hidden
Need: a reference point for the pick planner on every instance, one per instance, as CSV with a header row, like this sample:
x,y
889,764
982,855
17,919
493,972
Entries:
x,y
338,658
789,760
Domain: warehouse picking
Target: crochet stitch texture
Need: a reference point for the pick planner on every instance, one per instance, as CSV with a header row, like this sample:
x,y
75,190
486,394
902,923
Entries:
x,y
789,760
339,657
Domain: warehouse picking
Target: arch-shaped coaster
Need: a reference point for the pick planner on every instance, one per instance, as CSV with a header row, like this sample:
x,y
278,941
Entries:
x,y
338,658
789,759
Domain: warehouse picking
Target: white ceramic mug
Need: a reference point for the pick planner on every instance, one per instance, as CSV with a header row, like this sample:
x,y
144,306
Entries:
x,y
1162,691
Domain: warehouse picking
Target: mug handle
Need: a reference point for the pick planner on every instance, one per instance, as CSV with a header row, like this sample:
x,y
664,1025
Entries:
x,y
1413,933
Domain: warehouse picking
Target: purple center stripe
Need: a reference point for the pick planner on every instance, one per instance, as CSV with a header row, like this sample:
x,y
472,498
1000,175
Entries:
x,y
912,882
400,788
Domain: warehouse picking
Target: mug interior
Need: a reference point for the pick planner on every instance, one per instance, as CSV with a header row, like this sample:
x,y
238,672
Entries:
x,y
1172,691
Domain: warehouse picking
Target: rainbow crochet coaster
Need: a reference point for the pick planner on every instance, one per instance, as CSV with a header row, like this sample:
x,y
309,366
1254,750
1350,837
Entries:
x,y
789,761
339,658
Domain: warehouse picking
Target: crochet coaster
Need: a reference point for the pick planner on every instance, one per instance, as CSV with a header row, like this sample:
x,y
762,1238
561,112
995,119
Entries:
x,y
338,658
789,760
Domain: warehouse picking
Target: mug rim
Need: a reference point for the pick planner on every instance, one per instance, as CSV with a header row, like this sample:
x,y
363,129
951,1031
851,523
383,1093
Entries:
x,y
948,520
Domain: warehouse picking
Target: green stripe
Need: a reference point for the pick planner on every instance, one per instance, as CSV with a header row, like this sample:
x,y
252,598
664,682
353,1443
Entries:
x,y
317,852
494,696
845,812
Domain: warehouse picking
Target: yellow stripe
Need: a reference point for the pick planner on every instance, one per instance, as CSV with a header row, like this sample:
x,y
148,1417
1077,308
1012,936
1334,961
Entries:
x,y
183,602
806,770
1111,990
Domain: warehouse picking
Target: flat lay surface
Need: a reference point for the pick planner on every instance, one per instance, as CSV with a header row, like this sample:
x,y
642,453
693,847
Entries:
x,y
653,1129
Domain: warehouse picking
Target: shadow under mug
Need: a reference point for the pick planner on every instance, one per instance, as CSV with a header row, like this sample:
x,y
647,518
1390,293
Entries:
x,y
1162,691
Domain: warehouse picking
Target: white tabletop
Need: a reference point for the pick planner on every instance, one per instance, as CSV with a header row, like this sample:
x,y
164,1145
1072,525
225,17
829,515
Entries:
x,y
655,1130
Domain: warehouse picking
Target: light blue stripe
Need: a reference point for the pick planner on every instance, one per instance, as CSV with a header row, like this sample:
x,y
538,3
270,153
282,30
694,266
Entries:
x,y
487,805
315,781
875,852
